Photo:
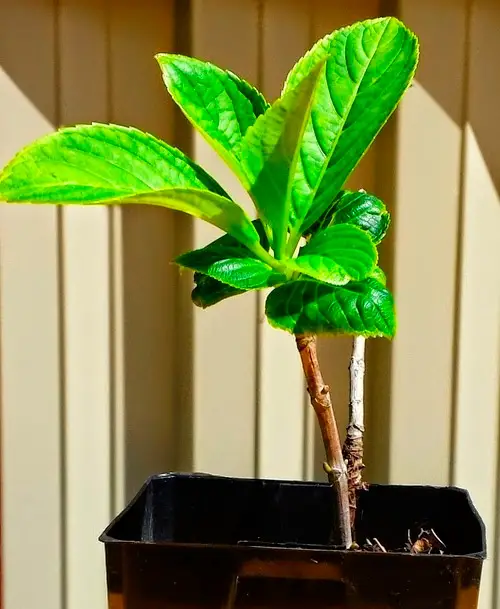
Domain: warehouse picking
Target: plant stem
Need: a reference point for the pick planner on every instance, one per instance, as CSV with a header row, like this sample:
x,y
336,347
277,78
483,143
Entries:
x,y
334,466
353,445
273,262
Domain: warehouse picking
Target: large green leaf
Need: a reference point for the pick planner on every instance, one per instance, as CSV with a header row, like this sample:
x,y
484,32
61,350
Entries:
x,y
363,308
96,162
218,103
369,66
101,164
231,263
348,246
269,154
360,209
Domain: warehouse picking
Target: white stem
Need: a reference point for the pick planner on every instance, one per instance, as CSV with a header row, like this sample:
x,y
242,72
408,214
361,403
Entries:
x,y
357,378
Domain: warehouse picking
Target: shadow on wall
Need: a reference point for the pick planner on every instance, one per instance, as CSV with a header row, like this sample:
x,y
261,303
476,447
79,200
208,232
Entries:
x,y
456,53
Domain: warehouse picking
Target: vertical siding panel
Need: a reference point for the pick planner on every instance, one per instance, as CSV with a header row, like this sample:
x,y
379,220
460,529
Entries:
x,y
476,431
335,352
29,339
85,250
424,237
286,32
138,98
223,365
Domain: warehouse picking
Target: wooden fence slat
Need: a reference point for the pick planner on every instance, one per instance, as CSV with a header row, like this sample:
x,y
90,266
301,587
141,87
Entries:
x,y
428,136
222,368
32,517
476,438
82,40
144,241
285,31
335,353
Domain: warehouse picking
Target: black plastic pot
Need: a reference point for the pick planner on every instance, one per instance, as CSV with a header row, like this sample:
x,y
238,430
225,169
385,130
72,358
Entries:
x,y
189,541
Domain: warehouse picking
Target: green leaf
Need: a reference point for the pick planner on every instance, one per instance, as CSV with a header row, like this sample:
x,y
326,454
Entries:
x,y
231,263
348,246
269,155
212,208
254,96
379,275
360,209
218,103
321,268
241,273
363,308
369,66
99,164
209,291
96,162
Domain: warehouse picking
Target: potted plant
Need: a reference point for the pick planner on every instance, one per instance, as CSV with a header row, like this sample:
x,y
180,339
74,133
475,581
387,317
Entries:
x,y
209,541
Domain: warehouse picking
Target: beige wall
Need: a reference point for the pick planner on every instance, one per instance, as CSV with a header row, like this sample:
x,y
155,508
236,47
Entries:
x,y
109,374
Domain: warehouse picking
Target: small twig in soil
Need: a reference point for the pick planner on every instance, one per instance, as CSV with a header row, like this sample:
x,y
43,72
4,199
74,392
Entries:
x,y
427,543
374,546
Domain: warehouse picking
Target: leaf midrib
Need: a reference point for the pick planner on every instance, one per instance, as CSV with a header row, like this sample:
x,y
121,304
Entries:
x,y
296,156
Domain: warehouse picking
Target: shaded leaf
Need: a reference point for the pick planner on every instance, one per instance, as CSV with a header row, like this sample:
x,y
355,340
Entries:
x,y
363,308
209,291
360,209
231,264
369,66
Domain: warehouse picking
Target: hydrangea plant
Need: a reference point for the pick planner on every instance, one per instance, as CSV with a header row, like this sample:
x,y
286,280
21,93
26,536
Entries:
x,y
312,242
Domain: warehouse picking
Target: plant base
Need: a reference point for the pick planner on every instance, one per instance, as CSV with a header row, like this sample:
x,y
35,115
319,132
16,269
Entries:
x,y
212,542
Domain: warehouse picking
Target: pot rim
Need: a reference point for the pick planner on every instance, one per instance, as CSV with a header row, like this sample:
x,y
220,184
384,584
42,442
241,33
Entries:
x,y
317,551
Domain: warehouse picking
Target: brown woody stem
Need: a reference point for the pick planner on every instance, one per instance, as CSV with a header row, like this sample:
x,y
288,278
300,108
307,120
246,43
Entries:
x,y
353,445
334,466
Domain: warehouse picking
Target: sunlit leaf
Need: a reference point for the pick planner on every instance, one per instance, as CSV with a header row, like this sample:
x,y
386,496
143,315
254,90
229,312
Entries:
x,y
219,104
347,246
107,164
269,154
369,66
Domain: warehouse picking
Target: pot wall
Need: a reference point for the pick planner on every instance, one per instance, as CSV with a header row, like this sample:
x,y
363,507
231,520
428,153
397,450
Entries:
x,y
202,541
